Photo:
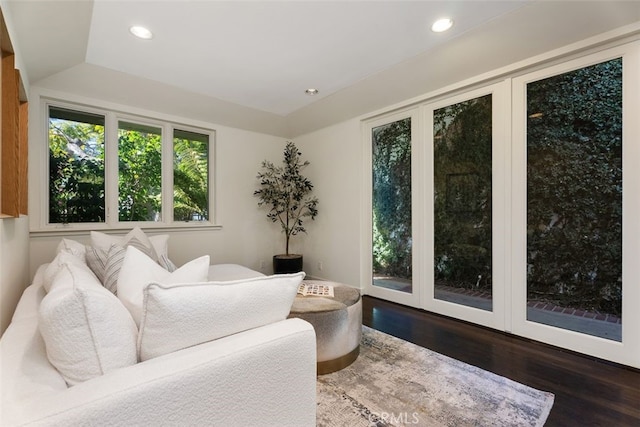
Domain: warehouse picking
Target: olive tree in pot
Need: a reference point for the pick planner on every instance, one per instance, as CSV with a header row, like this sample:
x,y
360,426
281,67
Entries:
x,y
286,193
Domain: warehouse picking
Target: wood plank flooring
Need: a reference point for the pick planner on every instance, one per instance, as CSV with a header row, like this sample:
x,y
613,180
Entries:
x,y
588,391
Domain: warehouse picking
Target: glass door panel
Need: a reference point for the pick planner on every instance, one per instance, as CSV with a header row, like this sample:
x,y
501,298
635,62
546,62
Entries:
x,y
574,200
392,232
462,200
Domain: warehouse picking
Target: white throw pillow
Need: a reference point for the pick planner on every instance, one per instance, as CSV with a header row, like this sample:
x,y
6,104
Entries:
x,y
106,264
66,259
87,332
181,316
106,255
135,237
160,244
138,270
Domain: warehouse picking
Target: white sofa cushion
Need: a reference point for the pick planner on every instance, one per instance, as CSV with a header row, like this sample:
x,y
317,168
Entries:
x,y
180,316
87,331
224,272
26,373
138,270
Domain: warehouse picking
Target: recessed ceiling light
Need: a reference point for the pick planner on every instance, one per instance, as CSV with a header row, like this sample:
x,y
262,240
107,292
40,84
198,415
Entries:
x,y
141,32
442,25
311,91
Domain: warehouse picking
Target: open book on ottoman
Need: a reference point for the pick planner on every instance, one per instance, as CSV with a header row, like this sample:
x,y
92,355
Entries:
x,y
315,289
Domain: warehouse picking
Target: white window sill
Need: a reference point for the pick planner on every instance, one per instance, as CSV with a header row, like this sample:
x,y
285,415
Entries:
x,y
83,229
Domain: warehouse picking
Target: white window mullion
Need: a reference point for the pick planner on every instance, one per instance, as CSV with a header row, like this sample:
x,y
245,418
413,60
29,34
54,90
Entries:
x,y
504,207
631,206
428,206
500,186
418,194
167,174
111,169
212,179
44,164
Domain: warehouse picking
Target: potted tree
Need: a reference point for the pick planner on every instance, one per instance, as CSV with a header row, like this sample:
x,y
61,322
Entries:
x,y
286,193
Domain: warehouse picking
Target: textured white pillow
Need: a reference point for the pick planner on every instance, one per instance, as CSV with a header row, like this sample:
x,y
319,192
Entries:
x,y
87,332
181,316
72,247
66,259
138,270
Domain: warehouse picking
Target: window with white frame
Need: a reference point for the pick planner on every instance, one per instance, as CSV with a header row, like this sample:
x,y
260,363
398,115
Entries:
x,y
91,183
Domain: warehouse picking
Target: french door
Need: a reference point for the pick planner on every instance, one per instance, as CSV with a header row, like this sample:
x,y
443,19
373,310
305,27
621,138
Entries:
x,y
575,204
515,205
394,158
464,199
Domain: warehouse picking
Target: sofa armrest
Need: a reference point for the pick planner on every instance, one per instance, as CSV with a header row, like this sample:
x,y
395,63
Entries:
x,y
264,376
222,272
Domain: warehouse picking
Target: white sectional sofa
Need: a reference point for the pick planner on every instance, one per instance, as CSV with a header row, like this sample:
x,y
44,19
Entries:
x,y
257,377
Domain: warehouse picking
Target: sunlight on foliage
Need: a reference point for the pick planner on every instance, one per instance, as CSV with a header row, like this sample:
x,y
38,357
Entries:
x,y
191,178
392,199
140,173
76,168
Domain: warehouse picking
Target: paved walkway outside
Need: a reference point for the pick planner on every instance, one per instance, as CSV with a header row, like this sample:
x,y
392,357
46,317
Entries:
x,y
588,322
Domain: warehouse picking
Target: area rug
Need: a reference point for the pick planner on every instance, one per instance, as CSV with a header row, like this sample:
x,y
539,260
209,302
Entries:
x,y
394,383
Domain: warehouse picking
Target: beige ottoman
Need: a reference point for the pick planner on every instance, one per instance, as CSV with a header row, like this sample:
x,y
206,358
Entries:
x,y
337,322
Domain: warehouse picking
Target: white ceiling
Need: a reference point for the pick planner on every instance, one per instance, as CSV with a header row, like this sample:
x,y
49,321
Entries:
x,y
264,54
258,54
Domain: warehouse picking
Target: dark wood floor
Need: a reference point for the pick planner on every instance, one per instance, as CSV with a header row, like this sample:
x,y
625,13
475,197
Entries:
x,y
588,392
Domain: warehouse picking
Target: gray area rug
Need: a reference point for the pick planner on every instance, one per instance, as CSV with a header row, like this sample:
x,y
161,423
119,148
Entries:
x,y
394,382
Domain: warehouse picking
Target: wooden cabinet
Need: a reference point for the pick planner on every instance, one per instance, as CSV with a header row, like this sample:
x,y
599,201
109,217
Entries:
x,y
13,133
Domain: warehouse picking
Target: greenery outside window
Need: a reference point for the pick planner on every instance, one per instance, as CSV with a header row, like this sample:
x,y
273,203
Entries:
x,y
89,182
190,176
391,202
139,172
76,166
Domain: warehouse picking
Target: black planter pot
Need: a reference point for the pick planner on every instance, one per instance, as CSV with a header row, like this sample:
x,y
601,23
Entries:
x,y
283,264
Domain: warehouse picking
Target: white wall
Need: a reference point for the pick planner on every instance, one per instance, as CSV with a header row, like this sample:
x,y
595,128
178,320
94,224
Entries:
x,y
14,261
101,83
334,239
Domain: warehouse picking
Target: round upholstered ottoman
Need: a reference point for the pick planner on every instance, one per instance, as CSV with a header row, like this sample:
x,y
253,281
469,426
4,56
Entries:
x,y
337,321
